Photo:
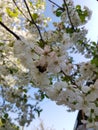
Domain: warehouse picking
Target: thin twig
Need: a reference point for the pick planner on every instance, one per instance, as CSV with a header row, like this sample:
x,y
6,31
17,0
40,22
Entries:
x,y
56,4
68,14
41,38
20,10
70,78
10,31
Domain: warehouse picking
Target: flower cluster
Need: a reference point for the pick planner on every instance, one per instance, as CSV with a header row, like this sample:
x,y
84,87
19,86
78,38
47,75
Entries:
x,y
41,57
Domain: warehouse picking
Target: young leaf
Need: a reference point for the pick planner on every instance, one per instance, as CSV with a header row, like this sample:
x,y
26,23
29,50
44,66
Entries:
x,y
12,13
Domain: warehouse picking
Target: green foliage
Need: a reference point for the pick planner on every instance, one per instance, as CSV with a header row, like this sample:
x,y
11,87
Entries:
x,y
69,30
94,49
95,61
13,70
58,12
65,78
1,44
82,13
96,103
41,43
7,125
39,3
35,16
0,18
42,95
6,115
17,98
3,120
12,13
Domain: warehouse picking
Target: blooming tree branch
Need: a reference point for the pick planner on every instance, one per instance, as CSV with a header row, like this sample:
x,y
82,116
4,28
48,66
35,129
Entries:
x,y
40,58
56,4
33,22
10,31
68,14
20,10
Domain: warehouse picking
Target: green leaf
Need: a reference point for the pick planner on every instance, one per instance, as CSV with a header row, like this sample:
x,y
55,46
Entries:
x,y
82,13
42,95
25,100
90,120
96,103
82,17
78,7
92,110
1,44
58,12
0,18
13,70
6,115
41,43
3,120
93,43
11,44
25,90
67,79
35,16
12,13
74,102
69,30
25,96
95,61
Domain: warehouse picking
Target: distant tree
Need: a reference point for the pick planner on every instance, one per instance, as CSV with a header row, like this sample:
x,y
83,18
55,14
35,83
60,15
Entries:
x,y
32,55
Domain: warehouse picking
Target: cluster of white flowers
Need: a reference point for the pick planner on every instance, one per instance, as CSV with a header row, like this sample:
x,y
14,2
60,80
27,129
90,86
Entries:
x,y
71,15
42,57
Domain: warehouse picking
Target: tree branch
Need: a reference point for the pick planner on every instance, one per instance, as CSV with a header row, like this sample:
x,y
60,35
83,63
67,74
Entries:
x,y
33,22
10,31
56,4
70,78
64,10
20,10
68,14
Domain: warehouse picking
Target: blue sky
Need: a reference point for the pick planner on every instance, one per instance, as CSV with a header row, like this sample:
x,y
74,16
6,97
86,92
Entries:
x,y
57,116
